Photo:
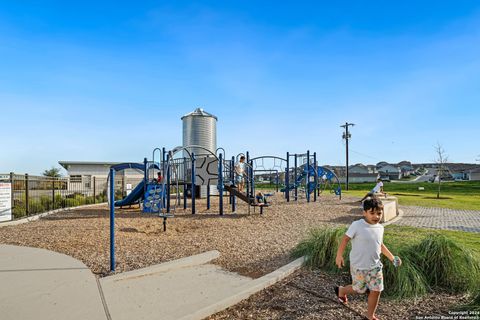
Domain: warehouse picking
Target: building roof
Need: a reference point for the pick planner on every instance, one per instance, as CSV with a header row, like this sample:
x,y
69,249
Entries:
x,y
199,112
66,164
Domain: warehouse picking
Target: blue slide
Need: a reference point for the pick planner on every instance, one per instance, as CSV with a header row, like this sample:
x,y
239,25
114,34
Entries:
x,y
133,197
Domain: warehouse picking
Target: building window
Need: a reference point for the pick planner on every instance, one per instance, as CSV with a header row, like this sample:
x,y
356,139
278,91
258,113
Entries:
x,y
76,179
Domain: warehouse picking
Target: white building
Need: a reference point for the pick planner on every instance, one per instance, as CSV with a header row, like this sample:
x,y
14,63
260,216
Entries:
x,y
83,174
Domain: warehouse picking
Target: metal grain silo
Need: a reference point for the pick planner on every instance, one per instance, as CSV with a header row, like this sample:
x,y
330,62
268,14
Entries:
x,y
200,128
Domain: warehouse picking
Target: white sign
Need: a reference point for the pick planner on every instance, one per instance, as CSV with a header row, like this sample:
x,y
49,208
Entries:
x,y
5,201
129,188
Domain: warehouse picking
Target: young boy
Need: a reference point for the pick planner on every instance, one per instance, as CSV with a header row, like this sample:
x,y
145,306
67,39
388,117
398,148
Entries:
x,y
239,173
377,189
365,265
261,199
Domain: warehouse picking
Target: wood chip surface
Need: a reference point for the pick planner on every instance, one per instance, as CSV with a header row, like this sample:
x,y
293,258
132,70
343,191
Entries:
x,y
250,244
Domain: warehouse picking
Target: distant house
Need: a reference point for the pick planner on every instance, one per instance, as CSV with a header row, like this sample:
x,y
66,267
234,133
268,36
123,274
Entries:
x,y
407,170
360,177
474,174
461,171
357,173
358,168
389,171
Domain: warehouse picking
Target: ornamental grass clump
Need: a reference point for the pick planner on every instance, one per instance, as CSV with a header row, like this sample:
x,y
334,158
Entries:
x,y
433,263
406,281
320,248
446,265
475,303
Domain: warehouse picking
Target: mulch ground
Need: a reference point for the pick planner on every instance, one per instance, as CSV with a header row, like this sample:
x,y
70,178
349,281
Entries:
x,y
250,244
308,295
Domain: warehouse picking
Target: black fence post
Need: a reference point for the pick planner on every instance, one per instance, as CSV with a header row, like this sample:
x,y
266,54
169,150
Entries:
x,y
53,193
13,190
26,194
94,189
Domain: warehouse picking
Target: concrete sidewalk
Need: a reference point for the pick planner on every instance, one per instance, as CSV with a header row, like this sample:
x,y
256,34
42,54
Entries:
x,y
40,284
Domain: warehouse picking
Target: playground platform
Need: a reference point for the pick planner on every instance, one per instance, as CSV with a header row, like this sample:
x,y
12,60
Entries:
x,y
40,284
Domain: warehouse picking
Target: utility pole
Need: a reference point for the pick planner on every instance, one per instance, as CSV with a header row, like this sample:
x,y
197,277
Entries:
x,y
346,135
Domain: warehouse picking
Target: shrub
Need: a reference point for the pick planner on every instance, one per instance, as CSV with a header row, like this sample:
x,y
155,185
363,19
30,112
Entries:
x,y
320,248
436,262
405,281
447,265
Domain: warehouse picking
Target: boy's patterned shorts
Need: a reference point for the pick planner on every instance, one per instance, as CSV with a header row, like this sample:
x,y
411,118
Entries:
x,y
367,279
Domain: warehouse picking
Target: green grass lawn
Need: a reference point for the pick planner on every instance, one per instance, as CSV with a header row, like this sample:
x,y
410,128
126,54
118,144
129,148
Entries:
x,y
410,235
455,195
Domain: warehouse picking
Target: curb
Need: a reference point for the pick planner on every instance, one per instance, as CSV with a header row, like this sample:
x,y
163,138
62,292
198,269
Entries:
x,y
254,286
44,214
190,261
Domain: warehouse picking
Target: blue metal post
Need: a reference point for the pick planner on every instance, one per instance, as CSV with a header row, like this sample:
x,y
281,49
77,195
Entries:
x,y
276,181
208,196
145,175
247,161
163,166
232,177
315,177
287,192
295,177
308,176
193,183
220,184
252,174
167,191
112,219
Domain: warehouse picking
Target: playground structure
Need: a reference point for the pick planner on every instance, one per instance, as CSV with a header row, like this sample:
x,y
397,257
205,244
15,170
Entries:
x,y
186,174
181,175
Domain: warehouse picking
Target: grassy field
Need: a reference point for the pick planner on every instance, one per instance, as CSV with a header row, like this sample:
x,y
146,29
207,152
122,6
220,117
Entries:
x,y
454,195
408,235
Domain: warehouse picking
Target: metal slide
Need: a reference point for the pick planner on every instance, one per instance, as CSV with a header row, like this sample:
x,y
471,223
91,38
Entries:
x,y
239,194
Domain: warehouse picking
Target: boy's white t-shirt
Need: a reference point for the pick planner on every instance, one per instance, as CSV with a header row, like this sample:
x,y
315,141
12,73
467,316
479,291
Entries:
x,y
366,241
377,187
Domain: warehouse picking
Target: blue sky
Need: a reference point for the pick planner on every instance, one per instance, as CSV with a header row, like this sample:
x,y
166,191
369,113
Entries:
x,y
109,81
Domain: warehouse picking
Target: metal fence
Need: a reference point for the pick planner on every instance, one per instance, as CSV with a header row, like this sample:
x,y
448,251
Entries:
x,y
36,194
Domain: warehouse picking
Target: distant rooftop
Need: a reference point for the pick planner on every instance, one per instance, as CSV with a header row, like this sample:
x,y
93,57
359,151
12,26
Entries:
x,y
66,164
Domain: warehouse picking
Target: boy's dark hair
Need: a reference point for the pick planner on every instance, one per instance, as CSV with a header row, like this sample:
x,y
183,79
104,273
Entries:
x,y
242,157
372,203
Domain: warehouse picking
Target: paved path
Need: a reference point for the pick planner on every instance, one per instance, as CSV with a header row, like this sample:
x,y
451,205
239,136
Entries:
x,y
37,284
440,218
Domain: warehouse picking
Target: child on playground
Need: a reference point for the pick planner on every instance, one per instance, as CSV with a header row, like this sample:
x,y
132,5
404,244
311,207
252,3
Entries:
x,y
365,265
377,189
261,199
159,177
240,173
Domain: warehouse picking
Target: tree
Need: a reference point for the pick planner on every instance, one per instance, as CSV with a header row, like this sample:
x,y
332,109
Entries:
x,y
441,160
53,173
